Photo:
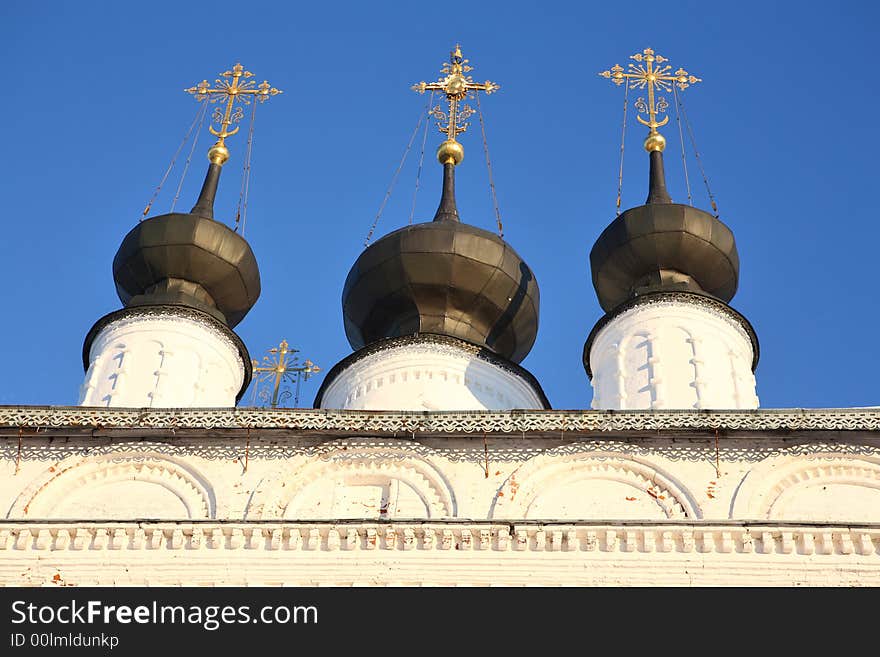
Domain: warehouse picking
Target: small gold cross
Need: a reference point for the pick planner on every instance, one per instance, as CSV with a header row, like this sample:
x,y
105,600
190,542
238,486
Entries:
x,y
281,364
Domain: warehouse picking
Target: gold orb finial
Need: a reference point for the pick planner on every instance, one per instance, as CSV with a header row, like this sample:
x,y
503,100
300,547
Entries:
x,y
218,153
655,142
450,152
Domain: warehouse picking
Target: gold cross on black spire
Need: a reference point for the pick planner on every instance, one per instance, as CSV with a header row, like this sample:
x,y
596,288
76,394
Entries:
x,y
650,72
456,85
235,87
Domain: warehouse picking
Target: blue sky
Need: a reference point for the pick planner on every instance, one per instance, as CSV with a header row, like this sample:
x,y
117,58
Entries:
x,y
784,119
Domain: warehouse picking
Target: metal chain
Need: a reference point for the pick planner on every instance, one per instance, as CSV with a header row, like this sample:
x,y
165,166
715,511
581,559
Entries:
x,y
189,157
489,168
428,105
241,210
687,181
199,111
394,179
622,142
699,161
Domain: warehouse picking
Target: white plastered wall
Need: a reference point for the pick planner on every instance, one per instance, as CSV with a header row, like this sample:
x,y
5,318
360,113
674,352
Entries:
x,y
752,510
162,360
428,376
674,354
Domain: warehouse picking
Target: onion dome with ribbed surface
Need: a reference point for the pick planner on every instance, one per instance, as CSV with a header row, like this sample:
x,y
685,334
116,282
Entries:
x,y
663,247
185,281
664,274
443,277
190,260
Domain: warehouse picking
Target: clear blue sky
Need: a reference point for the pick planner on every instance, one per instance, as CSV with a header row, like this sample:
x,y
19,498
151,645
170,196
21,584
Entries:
x,y
785,120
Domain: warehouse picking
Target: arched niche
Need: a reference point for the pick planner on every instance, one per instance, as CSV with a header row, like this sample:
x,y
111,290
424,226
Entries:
x,y
117,486
825,487
351,479
567,485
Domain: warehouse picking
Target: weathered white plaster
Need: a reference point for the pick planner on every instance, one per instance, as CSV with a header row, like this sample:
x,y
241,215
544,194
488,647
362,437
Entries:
x,y
428,376
116,485
672,354
162,360
487,498
829,486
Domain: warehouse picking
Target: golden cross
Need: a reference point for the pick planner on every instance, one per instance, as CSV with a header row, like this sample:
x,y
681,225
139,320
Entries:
x,y
456,85
652,74
280,365
235,87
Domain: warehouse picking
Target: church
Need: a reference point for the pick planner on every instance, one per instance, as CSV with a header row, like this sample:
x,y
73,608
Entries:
x,y
431,456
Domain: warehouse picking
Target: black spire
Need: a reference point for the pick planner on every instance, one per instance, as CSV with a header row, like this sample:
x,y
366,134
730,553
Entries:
x,y
447,211
204,206
657,180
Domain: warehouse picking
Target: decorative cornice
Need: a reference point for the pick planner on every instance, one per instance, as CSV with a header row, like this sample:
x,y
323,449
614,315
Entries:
x,y
50,445
76,420
636,537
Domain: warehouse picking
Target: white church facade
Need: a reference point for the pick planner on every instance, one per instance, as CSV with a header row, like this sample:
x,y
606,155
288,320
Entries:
x,y
341,498
431,456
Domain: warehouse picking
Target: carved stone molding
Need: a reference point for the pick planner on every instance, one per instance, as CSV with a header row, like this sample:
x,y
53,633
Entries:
x,y
42,496
558,468
86,420
695,448
794,540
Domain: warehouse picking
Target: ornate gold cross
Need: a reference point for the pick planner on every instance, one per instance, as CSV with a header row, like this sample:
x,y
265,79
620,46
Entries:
x,y
234,87
456,85
650,72
280,365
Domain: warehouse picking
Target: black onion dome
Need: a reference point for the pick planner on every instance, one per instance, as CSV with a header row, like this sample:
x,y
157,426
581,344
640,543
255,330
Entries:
x,y
663,247
189,260
443,277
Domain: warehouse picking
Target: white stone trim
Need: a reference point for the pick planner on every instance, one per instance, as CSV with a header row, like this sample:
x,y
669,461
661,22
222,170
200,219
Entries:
x,y
464,553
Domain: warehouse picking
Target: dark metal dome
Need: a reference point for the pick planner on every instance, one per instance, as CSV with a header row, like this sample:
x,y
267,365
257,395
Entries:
x,y
443,277
663,247
189,260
